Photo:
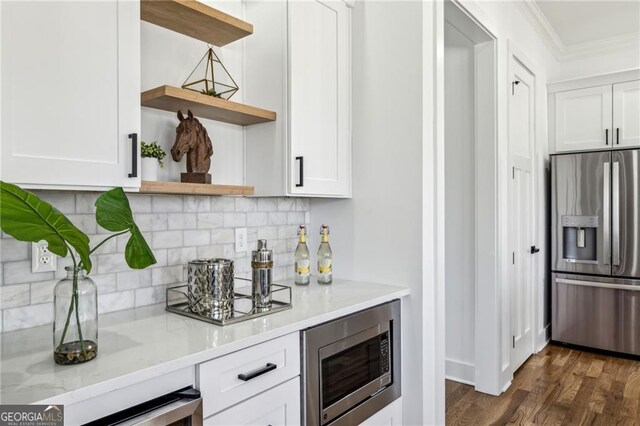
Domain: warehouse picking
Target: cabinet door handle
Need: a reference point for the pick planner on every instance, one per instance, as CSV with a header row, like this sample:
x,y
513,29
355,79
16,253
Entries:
x,y
134,155
301,179
606,136
617,135
255,373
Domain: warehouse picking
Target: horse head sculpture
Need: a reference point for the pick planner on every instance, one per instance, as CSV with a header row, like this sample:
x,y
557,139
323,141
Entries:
x,y
192,140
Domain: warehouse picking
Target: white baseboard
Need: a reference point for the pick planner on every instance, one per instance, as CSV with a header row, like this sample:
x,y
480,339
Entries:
x,y
543,338
506,376
460,371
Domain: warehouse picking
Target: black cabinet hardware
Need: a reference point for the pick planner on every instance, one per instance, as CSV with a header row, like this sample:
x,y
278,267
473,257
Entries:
x,y
134,155
301,179
534,249
606,136
255,373
617,135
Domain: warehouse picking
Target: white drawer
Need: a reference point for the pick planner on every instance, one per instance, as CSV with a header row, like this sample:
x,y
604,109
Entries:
x,y
279,406
218,379
391,415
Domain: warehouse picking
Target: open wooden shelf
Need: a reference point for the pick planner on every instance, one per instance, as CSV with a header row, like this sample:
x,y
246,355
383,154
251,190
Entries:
x,y
157,187
196,20
173,99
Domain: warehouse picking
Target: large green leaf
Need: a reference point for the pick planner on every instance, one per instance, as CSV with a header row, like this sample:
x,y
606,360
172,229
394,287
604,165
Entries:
x,y
137,252
26,217
114,214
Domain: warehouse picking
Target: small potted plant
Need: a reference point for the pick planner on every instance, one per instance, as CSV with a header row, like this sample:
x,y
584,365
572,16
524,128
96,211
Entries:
x,y
152,157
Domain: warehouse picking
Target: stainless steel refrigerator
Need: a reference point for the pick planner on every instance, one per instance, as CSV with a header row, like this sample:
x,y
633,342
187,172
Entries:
x,y
595,258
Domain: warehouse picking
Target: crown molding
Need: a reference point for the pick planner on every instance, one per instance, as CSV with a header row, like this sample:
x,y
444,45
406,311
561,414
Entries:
x,y
562,52
624,41
541,24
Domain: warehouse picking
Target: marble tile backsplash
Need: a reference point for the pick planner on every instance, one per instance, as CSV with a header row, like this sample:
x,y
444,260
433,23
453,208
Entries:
x,y
178,229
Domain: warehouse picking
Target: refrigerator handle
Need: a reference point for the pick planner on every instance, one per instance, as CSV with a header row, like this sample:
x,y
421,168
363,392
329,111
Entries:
x,y
615,207
598,284
606,209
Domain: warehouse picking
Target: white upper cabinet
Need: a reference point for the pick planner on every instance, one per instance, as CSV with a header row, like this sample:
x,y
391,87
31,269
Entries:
x,y
595,113
626,114
583,119
298,63
70,93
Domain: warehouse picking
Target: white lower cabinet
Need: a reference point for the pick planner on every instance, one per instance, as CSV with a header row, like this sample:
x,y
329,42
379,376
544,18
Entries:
x,y
391,415
238,376
277,406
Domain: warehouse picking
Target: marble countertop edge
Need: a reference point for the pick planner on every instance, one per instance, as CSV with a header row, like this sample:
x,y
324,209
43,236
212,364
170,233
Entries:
x,y
276,325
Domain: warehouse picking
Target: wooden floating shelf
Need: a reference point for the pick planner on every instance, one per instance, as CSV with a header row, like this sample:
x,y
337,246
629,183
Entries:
x,y
196,20
156,187
173,99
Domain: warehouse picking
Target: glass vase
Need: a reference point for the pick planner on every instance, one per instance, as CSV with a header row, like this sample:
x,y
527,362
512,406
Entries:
x,y
75,323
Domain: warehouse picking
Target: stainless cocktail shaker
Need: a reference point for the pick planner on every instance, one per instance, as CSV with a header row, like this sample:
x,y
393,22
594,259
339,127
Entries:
x,y
262,265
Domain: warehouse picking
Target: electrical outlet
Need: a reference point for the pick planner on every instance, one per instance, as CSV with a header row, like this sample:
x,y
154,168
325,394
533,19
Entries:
x,y
42,260
241,239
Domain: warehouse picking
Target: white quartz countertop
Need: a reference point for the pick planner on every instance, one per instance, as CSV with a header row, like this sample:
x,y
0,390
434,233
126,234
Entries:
x,y
144,343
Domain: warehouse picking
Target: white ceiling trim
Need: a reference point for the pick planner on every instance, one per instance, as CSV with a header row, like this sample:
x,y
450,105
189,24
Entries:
x,y
539,22
560,51
605,45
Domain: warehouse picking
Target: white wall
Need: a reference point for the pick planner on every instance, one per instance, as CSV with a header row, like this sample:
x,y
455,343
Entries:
x,y
376,236
460,244
168,58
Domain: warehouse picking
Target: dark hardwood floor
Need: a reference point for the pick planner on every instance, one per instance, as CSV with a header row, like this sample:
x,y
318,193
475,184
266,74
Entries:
x,y
557,386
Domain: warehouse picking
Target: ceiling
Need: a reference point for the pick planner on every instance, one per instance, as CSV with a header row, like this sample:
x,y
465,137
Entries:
x,y
578,22
574,28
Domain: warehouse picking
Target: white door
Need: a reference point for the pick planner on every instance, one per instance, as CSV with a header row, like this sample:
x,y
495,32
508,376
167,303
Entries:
x,y
583,119
521,208
70,92
279,406
320,93
626,114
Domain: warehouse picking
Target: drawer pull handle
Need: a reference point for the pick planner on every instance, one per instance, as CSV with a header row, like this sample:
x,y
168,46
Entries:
x,y
259,372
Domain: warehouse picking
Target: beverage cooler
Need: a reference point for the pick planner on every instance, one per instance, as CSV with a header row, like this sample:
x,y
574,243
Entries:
x,y
595,215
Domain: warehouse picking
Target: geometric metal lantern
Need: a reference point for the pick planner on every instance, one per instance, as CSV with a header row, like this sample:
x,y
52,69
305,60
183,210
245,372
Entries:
x,y
216,82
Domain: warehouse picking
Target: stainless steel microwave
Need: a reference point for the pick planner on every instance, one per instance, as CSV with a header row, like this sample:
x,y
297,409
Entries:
x,y
351,366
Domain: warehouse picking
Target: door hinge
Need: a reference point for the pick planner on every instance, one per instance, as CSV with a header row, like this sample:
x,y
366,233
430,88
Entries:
x,y
513,86
514,342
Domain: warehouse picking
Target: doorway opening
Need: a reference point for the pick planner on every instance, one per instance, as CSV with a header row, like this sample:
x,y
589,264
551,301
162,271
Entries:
x,y
472,300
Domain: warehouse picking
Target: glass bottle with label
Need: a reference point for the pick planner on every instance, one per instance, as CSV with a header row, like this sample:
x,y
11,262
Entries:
x,y
302,263
325,261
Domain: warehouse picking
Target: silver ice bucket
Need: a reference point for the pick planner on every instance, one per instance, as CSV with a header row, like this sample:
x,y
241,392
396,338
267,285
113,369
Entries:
x,y
210,287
